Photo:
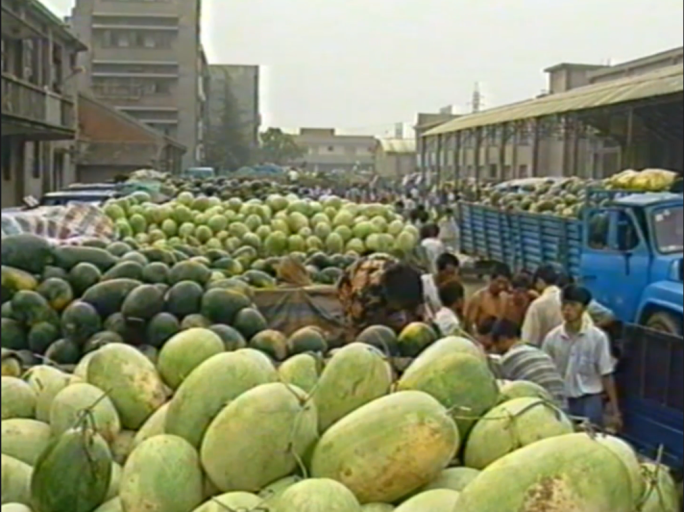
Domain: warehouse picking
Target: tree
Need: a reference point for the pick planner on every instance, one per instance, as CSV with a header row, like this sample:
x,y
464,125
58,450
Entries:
x,y
278,147
226,146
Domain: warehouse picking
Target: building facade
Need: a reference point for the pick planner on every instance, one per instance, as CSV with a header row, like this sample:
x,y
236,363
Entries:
x,y
395,158
39,124
326,150
112,143
558,155
145,58
243,83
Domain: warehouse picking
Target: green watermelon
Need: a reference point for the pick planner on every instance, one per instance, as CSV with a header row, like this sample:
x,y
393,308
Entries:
x,y
307,339
460,381
184,352
184,298
511,426
273,343
568,473
46,382
389,448
25,440
438,500
318,495
249,322
212,385
302,371
455,479
415,338
162,474
154,426
18,399
232,338
74,400
355,376
80,322
130,380
221,306
162,328
269,428
232,501
73,473
16,481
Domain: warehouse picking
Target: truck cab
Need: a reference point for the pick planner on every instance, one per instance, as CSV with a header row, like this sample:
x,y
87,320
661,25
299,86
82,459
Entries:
x,y
632,258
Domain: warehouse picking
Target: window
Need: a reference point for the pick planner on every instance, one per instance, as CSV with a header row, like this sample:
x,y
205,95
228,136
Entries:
x,y
508,170
117,38
628,236
667,225
37,159
523,171
331,149
493,171
599,231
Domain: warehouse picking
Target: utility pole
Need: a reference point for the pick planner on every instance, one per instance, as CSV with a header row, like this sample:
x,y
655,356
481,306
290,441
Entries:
x,y
477,99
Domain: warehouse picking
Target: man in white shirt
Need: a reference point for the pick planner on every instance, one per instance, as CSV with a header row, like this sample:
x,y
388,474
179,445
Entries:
x,y
432,245
583,356
452,297
544,314
448,269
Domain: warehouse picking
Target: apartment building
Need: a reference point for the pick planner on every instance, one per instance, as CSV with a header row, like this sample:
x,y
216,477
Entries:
x,y
327,150
595,156
242,82
145,58
39,124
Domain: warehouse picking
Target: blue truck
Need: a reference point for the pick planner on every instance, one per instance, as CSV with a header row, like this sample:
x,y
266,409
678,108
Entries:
x,y
628,252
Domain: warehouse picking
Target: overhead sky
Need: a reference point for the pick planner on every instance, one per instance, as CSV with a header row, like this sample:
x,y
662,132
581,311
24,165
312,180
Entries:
x,y
363,65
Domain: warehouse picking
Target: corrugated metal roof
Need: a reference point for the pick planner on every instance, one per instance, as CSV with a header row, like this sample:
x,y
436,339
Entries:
x,y
398,146
662,82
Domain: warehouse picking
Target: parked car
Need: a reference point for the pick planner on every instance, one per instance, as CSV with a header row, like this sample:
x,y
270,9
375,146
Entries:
x,y
64,197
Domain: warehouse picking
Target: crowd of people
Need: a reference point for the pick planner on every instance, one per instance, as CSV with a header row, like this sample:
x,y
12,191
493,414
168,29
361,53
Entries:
x,y
539,327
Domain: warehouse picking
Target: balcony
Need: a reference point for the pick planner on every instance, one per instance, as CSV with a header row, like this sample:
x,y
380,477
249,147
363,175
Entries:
x,y
15,25
33,112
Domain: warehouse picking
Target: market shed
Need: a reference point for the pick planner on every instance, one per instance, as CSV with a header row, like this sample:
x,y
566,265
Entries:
x,y
395,158
641,115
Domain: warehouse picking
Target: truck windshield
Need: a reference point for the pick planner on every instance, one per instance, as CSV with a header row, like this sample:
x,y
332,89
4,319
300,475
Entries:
x,y
667,225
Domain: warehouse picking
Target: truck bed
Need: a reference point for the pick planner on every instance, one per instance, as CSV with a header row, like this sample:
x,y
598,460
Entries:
x,y
522,240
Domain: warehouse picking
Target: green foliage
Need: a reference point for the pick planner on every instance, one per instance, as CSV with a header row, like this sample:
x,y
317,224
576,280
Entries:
x,y
278,147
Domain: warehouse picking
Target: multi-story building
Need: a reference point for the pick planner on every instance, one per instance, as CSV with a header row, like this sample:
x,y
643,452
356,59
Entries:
x,y
556,155
145,58
326,150
242,82
39,125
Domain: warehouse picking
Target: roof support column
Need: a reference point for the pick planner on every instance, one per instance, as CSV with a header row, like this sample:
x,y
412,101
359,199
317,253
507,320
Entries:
x,y
476,159
457,155
517,126
440,157
506,134
536,146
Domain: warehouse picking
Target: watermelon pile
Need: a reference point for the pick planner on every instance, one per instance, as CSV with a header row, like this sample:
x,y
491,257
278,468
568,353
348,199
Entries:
x,y
252,235
286,425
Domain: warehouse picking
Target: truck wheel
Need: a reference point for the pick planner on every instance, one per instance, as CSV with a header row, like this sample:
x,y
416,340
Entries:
x,y
665,322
